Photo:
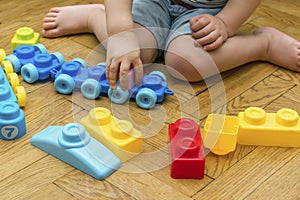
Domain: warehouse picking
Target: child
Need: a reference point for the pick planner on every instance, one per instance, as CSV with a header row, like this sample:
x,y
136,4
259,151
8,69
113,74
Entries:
x,y
135,33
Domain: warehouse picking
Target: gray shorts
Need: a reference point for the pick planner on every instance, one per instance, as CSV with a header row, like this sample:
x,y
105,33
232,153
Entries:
x,y
165,19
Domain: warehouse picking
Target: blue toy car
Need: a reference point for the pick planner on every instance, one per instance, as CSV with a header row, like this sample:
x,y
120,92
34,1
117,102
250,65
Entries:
x,y
151,91
92,83
41,67
73,75
24,54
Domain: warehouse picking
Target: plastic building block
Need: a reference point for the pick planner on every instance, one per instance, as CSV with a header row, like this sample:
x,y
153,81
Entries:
x,y
117,135
71,76
10,90
25,35
12,121
24,54
2,54
187,154
41,67
73,145
269,129
92,83
220,133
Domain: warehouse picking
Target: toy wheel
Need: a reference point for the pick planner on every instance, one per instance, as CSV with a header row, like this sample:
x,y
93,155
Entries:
x,y
81,61
2,54
90,89
146,98
64,84
102,64
59,57
118,95
41,48
29,73
7,66
160,74
13,79
15,62
21,95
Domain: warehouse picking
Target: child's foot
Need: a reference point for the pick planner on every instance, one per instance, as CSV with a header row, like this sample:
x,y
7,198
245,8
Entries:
x,y
282,49
69,20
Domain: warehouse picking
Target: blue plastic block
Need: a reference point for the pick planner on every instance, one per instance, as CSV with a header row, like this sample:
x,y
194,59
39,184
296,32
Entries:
x,y
24,54
12,121
41,67
6,92
73,145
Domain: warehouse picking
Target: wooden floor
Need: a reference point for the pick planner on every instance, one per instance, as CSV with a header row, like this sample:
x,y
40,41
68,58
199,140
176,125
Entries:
x,y
250,172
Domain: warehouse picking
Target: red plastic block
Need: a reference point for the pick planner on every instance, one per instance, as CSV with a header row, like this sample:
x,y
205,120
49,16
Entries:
x,y
187,154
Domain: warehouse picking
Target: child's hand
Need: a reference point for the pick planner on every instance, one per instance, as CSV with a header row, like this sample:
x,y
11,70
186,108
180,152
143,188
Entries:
x,y
123,53
208,31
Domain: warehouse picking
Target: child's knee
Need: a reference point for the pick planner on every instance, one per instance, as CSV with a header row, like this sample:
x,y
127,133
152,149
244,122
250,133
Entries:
x,y
180,67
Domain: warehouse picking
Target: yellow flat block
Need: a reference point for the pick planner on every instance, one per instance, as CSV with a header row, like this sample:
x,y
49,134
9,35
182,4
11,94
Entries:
x,y
25,35
280,129
117,135
220,133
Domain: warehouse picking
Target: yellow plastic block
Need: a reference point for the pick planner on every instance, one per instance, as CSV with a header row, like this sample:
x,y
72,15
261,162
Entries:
x,y
220,133
2,54
117,135
25,35
269,129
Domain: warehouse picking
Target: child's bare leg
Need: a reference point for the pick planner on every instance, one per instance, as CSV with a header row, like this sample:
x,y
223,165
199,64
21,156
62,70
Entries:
x,y
75,19
91,19
265,44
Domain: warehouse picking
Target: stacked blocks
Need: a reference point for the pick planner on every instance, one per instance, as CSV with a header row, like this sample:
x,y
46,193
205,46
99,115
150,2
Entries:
x,y
73,145
220,133
187,154
10,89
269,129
117,135
25,35
12,97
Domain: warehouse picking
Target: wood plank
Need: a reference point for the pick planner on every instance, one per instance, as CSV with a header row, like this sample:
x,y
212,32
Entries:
x,y
31,179
51,191
283,184
82,186
248,174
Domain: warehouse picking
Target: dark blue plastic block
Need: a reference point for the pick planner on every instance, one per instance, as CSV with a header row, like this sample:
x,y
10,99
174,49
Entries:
x,y
73,145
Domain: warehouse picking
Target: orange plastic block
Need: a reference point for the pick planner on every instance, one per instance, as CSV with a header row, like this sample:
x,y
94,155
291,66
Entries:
x,y
25,35
220,133
117,135
269,129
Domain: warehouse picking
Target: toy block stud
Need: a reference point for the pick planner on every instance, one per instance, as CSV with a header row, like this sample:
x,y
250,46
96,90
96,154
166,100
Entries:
x,y
269,129
12,121
187,154
117,135
25,35
220,133
73,145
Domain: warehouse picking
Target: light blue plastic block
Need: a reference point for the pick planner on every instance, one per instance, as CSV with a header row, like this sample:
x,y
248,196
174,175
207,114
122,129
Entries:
x,y
73,145
6,92
12,121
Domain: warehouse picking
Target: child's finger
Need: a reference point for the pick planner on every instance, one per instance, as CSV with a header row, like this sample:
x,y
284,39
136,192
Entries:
x,y
124,68
138,71
210,38
113,74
